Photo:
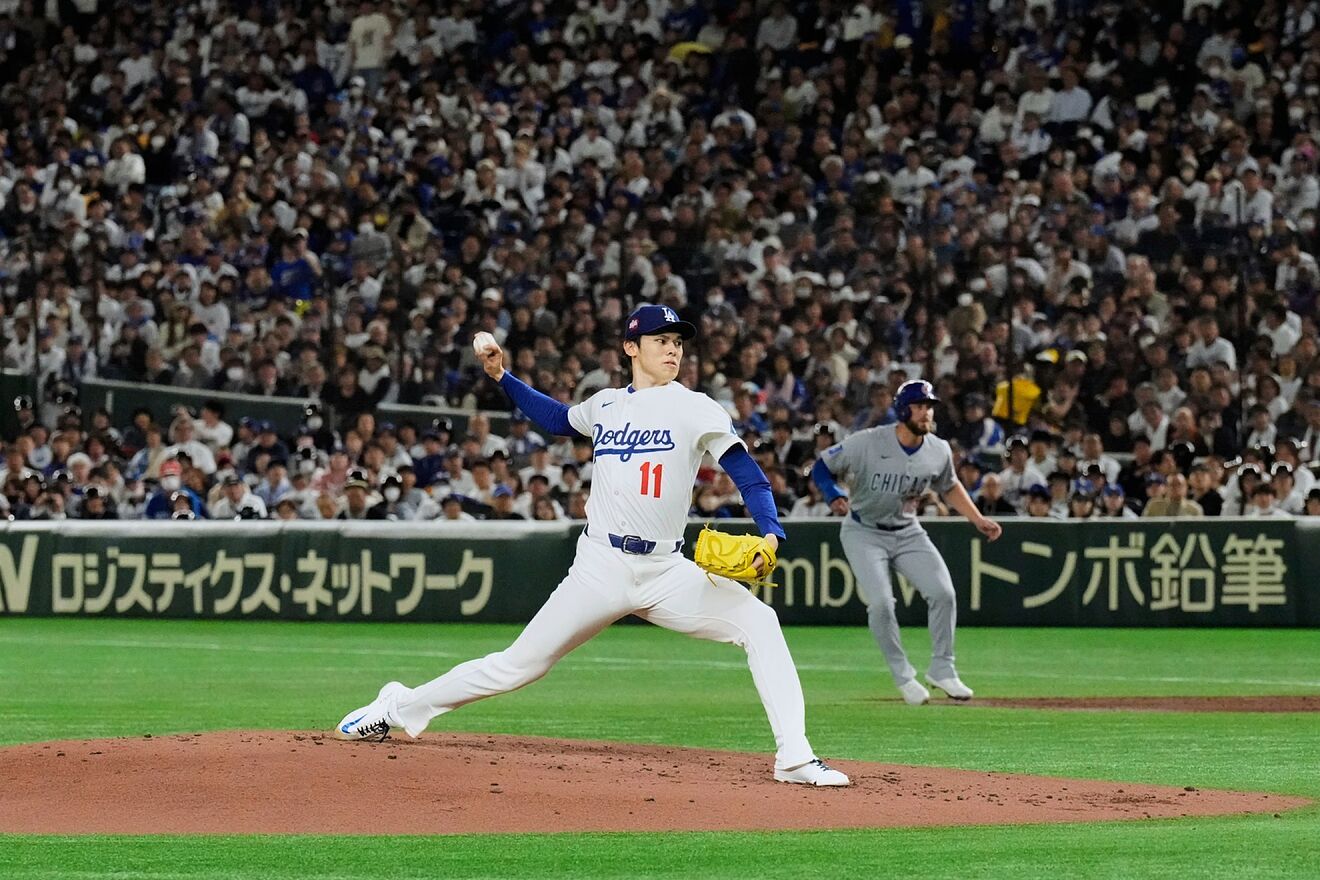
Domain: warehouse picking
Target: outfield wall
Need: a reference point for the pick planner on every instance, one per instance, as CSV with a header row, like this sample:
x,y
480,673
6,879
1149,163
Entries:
x,y
1190,572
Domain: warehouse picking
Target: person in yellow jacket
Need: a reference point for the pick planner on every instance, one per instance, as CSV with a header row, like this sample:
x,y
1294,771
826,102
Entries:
x,y
1025,394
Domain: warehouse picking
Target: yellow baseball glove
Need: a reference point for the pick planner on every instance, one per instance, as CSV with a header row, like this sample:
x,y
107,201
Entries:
x,y
731,556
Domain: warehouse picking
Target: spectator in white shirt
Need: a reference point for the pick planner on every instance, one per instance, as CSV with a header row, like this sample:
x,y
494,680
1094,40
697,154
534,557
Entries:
x,y
1263,430
1211,348
1071,104
198,144
1038,97
184,440
1167,390
456,29
138,67
1246,201
1299,190
125,166
237,501
1265,503
1282,326
909,183
540,466
957,169
1291,499
592,145
1019,475
1201,115
370,45
1093,454
1152,423
1030,139
779,31
1297,267
213,430
997,123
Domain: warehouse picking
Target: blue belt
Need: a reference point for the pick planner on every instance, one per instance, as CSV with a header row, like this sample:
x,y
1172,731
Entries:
x,y
635,546
857,518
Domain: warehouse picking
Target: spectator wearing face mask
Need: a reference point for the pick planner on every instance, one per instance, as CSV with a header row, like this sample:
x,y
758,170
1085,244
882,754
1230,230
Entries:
x,y
314,425
392,505
161,504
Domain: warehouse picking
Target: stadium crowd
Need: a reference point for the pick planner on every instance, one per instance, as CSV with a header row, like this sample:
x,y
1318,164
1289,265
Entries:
x,y
1091,224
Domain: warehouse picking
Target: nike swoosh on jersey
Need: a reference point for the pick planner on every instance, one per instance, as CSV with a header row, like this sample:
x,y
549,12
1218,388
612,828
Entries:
x,y
603,405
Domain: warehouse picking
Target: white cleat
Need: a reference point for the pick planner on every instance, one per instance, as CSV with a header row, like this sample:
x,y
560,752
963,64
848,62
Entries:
x,y
952,686
914,693
371,723
815,772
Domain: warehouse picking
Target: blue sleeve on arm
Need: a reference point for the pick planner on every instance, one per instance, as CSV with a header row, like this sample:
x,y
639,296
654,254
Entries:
x,y
548,413
821,476
755,489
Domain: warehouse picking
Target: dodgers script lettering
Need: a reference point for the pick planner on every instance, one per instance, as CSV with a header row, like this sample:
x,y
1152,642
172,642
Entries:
x,y
627,441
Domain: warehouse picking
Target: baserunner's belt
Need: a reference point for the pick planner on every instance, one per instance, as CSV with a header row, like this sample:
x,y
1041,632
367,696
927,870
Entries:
x,y
858,519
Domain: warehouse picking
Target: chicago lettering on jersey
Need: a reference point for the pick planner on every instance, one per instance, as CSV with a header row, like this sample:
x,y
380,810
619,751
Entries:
x,y
899,484
625,442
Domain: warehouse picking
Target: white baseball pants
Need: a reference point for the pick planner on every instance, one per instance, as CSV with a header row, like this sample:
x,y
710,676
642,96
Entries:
x,y
604,585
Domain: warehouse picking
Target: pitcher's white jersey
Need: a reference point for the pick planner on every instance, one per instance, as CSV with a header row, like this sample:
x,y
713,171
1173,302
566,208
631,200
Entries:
x,y
648,446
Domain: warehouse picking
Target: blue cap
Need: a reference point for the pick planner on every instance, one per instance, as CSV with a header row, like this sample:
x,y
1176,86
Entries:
x,y
1112,489
648,319
502,491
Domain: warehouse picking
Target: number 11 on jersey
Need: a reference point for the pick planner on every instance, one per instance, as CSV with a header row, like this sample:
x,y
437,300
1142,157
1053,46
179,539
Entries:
x,y
650,471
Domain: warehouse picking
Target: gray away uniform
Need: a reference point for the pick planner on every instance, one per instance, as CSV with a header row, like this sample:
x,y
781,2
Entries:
x,y
884,484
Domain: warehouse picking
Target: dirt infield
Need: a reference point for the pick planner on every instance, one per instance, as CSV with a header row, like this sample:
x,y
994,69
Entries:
x,y
1310,703
291,783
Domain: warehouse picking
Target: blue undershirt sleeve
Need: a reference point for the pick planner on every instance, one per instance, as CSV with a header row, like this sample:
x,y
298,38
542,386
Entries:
x,y
549,414
820,474
755,489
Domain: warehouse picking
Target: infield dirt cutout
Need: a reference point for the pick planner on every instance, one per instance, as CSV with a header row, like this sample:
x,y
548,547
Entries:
x,y
277,782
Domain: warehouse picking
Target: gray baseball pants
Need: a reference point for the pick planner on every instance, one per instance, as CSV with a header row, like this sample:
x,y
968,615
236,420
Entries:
x,y
910,551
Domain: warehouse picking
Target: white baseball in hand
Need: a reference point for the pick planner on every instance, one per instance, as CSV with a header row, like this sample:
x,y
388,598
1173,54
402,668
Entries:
x,y
483,342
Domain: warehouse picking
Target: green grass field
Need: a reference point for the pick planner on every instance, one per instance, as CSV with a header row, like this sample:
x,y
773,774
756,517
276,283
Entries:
x,y
89,678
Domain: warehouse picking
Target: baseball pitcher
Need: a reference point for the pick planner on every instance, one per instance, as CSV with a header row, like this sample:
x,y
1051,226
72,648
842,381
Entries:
x,y
648,441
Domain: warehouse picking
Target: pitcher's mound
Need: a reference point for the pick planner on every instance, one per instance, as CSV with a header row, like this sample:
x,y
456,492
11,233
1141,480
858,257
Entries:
x,y
305,783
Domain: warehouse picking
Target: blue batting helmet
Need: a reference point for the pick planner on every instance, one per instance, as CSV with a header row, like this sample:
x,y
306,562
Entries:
x,y
916,391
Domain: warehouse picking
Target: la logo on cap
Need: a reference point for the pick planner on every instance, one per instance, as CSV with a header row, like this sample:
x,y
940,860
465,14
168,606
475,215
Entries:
x,y
670,316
